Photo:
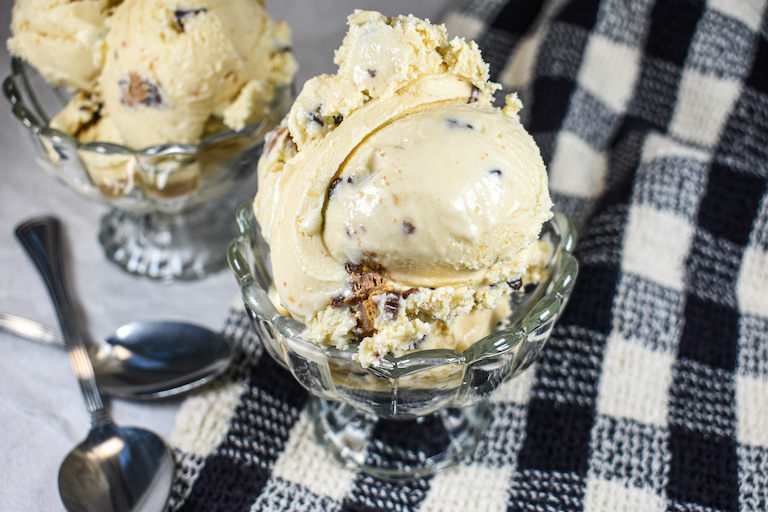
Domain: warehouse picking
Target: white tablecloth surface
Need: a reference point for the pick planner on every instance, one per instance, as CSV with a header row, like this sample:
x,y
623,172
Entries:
x,y
42,415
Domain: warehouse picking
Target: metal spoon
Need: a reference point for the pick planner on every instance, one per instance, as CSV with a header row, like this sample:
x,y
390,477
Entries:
x,y
115,469
143,360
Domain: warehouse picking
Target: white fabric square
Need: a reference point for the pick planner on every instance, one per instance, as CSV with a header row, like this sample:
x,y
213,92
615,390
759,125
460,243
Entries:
x,y
457,489
703,104
460,25
516,390
658,146
576,169
306,462
614,496
752,286
656,245
203,420
749,12
519,68
609,70
634,382
752,411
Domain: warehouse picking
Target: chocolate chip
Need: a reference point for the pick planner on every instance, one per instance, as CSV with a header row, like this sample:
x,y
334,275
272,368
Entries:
x,y
338,119
372,73
453,122
273,136
332,186
185,14
366,313
408,227
137,91
392,304
515,284
95,111
314,116
474,95
337,301
495,172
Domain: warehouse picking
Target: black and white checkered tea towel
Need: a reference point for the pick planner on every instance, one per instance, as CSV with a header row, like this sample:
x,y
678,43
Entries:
x,y
652,394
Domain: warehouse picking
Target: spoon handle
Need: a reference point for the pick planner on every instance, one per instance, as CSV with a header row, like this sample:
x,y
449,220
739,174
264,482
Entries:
x,y
41,237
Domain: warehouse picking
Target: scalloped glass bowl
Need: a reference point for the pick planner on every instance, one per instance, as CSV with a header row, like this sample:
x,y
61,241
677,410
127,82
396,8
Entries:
x,y
440,396
172,204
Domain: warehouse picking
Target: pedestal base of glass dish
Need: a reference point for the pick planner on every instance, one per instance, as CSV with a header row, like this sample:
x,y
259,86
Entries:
x,y
170,246
398,450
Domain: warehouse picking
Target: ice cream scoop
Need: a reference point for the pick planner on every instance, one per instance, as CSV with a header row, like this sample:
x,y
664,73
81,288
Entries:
x,y
172,68
61,38
401,208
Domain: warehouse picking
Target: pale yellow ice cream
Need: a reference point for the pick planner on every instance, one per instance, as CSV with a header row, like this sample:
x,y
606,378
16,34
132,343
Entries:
x,y
171,67
400,207
63,39
151,72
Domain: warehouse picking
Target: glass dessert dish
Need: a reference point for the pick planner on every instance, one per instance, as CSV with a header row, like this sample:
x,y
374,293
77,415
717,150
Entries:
x,y
414,415
172,204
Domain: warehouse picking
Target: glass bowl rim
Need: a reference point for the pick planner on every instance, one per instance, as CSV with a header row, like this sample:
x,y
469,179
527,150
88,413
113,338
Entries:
x,y
34,117
553,293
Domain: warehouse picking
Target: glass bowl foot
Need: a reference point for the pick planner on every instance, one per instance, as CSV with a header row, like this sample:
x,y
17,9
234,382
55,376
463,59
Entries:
x,y
169,246
398,450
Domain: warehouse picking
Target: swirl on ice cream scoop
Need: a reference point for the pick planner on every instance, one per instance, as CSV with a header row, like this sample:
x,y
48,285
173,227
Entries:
x,y
400,207
438,196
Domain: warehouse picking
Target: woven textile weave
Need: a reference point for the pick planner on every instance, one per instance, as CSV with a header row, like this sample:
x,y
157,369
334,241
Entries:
x,y
652,394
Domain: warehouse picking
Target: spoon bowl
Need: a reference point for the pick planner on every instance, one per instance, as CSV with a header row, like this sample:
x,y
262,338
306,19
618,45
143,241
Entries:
x,y
159,359
143,360
108,471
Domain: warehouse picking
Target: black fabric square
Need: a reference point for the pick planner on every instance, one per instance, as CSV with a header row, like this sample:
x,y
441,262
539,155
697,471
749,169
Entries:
x,y
758,77
538,491
710,333
517,16
502,440
422,437
568,367
673,184
713,268
356,506
557,437
753,347
497,46
622,21
583,13
592,298
226,485
278,382
721,46
702,398
274,395
591,120
655,93
730,204
627,451
372,495
742,144
703,470
673,25
555,93
560,54
648,313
